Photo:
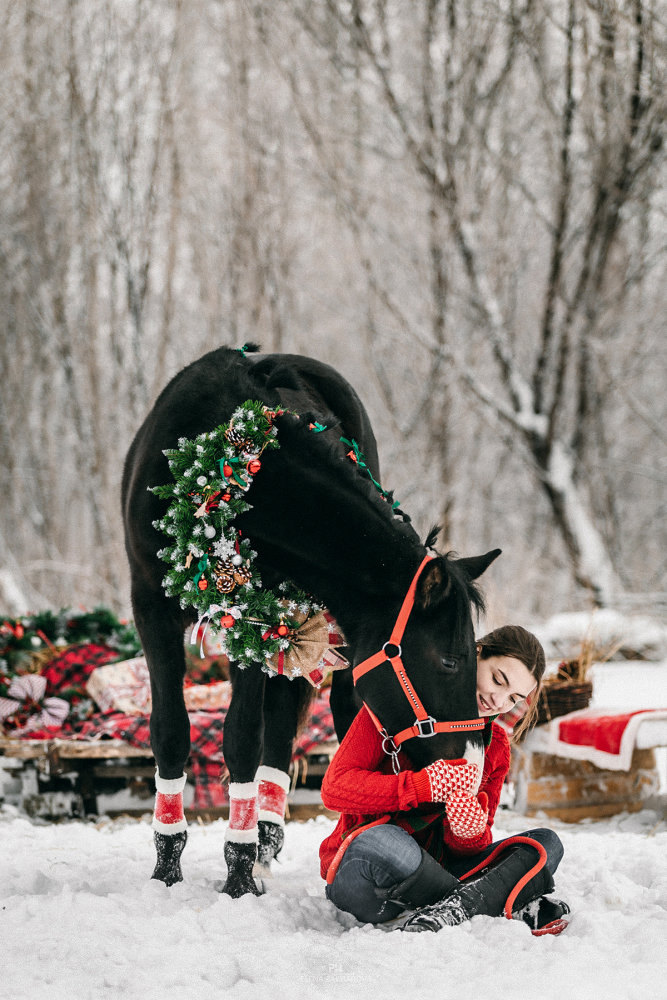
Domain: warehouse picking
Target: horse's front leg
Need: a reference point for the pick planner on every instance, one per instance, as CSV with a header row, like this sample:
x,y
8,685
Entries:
x,y
242,747
283,700
162,639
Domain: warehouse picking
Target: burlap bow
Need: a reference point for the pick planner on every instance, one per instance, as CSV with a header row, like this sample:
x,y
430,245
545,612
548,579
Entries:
x,y
311,653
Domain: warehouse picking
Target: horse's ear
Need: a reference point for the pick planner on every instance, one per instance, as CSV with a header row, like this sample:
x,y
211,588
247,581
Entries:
x,y
434,585
474,566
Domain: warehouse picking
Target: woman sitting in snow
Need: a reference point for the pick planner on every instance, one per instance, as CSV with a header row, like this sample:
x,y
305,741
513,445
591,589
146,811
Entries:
x,y
436,824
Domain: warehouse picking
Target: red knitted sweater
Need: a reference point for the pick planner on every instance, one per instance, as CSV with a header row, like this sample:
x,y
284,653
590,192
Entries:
x,y
360,784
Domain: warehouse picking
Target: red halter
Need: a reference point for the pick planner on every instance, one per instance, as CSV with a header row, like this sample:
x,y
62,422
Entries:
x,y
424,725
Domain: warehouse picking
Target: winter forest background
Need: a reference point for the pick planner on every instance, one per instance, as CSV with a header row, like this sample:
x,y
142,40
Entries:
x,y
457,203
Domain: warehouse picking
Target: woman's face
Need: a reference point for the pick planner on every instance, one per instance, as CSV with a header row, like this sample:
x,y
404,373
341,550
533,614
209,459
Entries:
x,y
502,682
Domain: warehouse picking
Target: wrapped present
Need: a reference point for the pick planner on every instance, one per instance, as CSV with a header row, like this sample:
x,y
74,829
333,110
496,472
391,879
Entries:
x,y
208,697
125,687
311,651
122,687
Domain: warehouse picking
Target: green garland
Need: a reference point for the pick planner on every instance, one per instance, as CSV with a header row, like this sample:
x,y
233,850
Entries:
x,y
29,636
212,567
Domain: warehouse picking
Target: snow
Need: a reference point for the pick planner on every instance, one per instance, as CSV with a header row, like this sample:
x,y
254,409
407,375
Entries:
x,y
562,634
80,917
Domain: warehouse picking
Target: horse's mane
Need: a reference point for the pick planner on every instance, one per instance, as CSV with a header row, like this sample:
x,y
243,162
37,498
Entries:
x,y
317,449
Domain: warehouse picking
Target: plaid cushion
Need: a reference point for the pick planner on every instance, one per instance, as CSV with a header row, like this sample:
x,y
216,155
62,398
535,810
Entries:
x,y
71,670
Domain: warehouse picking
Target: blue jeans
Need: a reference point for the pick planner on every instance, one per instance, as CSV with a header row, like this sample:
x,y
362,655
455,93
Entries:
x,y
384,856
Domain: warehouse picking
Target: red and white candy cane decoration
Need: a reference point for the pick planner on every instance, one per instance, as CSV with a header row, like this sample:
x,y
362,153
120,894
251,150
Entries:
x,y
243,812
168,816
273,788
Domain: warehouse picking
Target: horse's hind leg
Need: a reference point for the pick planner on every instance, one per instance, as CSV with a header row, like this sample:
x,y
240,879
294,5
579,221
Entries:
x,y
283,701
162,638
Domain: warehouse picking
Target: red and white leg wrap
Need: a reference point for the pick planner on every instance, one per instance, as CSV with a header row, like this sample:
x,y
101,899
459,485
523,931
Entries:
x,y
168,816
243,812
273,788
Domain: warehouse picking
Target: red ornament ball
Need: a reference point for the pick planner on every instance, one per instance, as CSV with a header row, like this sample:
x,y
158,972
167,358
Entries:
x,y
282,630
203,584
254,466
227,470
227,621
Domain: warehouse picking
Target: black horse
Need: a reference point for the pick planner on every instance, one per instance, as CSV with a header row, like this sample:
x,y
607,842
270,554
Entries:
x,y
318,519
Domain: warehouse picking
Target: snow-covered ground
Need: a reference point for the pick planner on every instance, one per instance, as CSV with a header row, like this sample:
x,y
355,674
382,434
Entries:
x,y
80,918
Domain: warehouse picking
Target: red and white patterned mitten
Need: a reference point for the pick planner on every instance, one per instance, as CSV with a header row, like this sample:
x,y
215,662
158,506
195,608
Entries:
x,y
436,782
467,814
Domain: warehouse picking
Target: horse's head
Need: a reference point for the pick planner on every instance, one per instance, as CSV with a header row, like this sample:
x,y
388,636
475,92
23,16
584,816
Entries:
x,y
434,649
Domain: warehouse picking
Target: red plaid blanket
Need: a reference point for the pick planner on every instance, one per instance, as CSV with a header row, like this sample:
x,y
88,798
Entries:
x,y
206,728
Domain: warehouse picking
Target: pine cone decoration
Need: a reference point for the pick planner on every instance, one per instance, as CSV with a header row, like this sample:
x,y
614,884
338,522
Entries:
x,y
237,438
242,574
223,573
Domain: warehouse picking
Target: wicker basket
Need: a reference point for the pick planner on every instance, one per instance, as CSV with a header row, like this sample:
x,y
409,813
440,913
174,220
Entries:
x,y
559,699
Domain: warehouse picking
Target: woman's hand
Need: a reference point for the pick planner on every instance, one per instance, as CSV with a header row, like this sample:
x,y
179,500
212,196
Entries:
x,y
467,814
441,779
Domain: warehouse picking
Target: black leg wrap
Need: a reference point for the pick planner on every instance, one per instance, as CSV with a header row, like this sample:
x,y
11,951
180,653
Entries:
x,y
485,893
240,860
169,847
270,843
429,883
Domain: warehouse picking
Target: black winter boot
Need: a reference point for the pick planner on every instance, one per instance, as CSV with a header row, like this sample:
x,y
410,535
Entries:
x,y
543,915
427,884
485,893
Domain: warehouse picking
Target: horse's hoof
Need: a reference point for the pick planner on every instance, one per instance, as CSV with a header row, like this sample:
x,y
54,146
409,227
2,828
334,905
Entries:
x,y
240,860
271,840
169,847
237,887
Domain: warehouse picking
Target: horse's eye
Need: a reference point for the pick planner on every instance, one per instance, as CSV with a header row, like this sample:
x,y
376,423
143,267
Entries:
x,y
448,663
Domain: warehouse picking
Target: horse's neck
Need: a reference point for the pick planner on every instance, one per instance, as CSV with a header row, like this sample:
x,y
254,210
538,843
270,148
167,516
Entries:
x,y
332,540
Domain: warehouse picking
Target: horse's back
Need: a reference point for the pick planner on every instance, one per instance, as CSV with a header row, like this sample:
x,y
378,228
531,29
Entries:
x,y
204,395
327,392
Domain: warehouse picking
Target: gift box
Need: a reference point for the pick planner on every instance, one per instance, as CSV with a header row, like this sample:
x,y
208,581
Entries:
x,y
125,687
122,687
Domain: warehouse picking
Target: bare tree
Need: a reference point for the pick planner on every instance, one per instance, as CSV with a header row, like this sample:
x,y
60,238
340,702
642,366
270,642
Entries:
x,y
454,88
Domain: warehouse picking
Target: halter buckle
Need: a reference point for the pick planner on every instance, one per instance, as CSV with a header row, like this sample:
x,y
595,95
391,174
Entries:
x,y
425,727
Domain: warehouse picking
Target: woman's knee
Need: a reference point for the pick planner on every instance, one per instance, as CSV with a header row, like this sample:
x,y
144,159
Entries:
x,y
390,853
552,844
376,860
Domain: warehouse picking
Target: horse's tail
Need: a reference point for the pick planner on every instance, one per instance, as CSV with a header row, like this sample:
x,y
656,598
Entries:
x,y
306,696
